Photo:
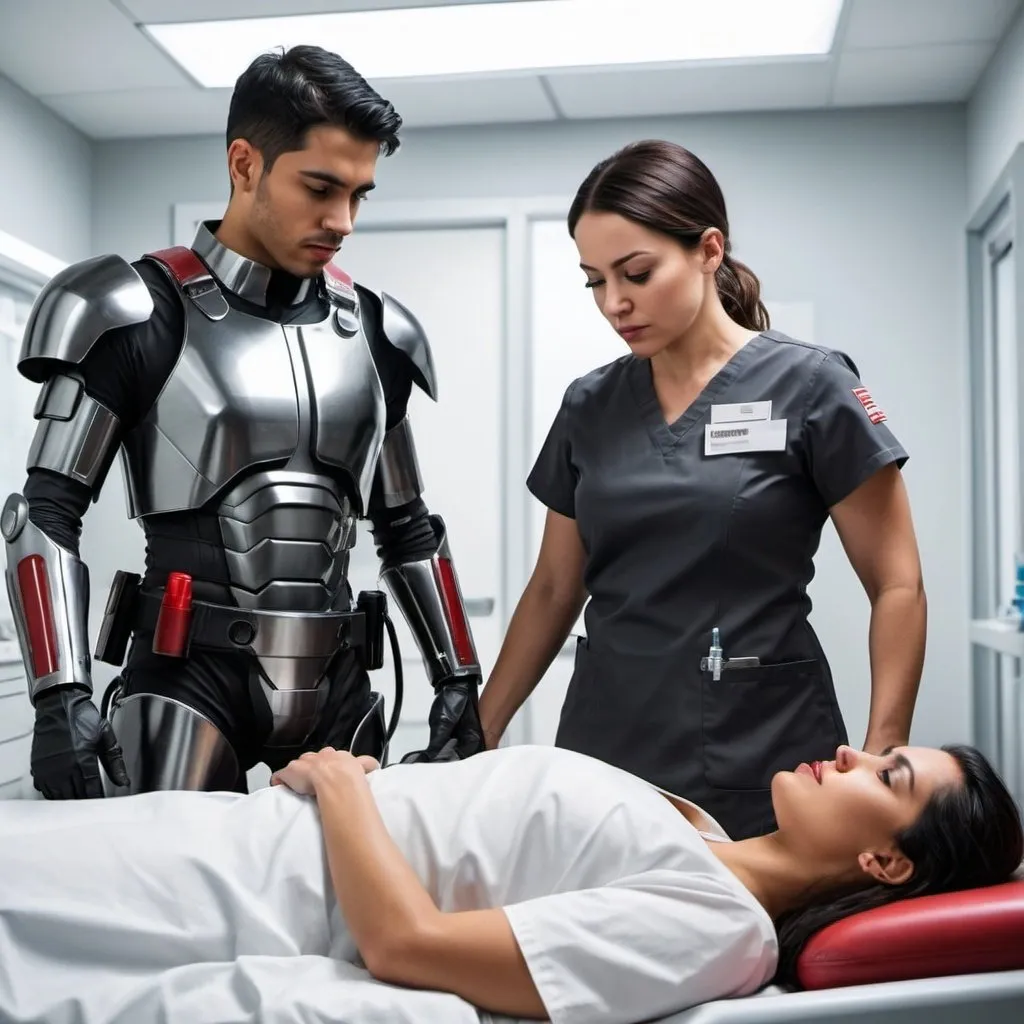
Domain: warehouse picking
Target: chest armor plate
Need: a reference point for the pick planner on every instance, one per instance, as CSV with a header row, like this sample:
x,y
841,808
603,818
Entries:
x,y
248,396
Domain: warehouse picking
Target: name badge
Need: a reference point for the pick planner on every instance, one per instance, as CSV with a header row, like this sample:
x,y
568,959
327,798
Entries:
x,y
726,438
741,412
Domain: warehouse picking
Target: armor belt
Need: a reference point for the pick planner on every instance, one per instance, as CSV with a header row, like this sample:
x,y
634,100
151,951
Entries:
x,y
266,633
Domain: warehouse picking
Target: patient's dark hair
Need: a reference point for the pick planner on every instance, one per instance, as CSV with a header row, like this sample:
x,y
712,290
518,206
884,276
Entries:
x,y
665,188
281,96
966,836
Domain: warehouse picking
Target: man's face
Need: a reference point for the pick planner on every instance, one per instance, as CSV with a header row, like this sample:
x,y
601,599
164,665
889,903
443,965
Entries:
x,y
298,214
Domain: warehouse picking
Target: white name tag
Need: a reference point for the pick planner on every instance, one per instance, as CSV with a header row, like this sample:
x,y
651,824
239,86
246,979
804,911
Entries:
x,y
755,436
741,412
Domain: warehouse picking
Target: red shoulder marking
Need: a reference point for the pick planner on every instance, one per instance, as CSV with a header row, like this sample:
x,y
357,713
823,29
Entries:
x,y
182,262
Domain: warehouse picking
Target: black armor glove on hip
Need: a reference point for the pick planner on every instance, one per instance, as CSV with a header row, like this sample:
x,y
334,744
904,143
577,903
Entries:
x,y
455,730
70,737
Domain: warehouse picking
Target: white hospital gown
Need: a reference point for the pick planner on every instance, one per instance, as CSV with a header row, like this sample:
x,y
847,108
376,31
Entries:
x,y
622,912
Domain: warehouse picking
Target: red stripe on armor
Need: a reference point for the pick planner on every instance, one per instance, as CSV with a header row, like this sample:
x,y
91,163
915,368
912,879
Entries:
x,y
38,610
338,274
454,612
182,262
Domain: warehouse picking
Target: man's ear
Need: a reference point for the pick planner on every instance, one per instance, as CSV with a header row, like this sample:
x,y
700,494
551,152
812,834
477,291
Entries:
x,y
890,867
245,165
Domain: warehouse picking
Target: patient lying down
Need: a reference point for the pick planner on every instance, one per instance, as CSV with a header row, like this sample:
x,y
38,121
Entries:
x,y
529,881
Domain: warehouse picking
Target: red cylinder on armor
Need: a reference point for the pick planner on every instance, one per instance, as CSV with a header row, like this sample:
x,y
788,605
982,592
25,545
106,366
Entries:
x,y
172,625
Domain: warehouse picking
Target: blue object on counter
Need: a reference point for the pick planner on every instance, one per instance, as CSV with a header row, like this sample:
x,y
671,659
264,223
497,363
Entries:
x,y
1018,592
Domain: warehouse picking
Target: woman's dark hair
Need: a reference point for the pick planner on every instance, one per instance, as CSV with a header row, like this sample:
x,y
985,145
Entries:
x,y
281,96
666,188
967,836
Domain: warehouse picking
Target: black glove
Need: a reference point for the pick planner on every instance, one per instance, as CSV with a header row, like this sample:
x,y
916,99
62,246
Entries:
x,y
69,737
455,730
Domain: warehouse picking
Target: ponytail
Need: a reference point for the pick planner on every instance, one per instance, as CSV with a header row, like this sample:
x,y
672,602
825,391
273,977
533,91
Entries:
x,y
740,293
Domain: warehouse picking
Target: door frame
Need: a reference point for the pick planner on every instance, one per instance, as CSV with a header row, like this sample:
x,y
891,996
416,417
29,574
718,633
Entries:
x,y
514,216
997,704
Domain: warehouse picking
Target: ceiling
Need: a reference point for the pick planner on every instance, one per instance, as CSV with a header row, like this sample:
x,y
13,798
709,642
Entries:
x,y
88,61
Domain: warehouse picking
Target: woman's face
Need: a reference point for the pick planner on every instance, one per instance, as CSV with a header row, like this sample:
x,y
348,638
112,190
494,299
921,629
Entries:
x,y
848,810
647,286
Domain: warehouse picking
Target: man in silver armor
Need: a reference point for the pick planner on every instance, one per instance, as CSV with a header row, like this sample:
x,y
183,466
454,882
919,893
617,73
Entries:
x,y
257,397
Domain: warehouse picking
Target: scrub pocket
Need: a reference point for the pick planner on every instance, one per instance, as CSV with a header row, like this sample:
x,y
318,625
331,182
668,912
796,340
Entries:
x,y
757,721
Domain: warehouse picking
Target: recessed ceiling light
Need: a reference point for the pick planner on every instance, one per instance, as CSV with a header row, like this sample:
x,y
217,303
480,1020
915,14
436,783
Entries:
x,y
522,36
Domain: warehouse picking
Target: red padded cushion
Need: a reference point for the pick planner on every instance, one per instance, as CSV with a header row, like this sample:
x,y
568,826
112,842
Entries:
x,y
956,933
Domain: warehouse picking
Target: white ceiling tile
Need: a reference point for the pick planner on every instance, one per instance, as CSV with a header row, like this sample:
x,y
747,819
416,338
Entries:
x,y
925,74
876,24
431,104
711,88
144,112
65,46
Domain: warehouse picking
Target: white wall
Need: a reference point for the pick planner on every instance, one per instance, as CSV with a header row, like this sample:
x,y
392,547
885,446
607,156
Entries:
x,y
995,115
859,212
45,200
45,177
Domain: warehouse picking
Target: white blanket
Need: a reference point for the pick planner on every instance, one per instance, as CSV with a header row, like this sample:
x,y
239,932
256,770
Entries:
x,y
219,907
270,990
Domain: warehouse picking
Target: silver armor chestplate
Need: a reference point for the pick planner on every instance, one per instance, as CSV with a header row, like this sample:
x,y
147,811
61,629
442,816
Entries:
x,y
276,430
285,424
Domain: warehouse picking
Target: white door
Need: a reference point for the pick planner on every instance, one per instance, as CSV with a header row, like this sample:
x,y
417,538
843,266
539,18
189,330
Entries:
x,y
568,338
452,280
1002,298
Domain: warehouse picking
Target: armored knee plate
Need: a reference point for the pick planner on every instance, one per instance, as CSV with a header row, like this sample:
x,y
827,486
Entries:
x,y
168,745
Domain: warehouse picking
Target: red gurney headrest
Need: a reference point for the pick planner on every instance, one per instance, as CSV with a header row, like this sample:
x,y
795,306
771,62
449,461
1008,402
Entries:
x,y
968,932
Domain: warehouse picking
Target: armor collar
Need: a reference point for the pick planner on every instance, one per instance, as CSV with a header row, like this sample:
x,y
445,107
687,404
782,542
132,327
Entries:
x,y
246,278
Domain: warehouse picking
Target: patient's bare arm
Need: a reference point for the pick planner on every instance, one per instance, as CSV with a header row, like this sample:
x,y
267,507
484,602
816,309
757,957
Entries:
x,y
402,936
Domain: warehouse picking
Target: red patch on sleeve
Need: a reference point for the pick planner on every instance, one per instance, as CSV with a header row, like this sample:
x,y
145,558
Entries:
x,y
874,413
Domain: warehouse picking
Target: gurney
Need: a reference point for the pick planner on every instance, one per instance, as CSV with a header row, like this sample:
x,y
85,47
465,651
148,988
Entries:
x,y
956,958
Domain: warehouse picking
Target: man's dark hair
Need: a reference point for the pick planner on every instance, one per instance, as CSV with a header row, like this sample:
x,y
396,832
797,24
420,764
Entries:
x,y
280,96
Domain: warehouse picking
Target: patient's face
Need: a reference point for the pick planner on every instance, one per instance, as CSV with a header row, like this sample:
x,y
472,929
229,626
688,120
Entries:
x,y
836,810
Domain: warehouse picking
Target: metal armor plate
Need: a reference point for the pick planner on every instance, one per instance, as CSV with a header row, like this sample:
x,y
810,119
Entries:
x,y
250,395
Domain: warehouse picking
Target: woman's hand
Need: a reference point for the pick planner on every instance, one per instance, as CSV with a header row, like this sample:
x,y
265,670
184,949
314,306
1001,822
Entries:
x,y
310,769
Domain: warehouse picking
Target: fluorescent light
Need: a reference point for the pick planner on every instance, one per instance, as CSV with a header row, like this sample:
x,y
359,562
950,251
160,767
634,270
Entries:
x,y
20,256
527,35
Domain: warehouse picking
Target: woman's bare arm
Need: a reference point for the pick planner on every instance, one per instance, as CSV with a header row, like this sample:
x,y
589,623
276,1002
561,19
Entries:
x,y
402,936
550,604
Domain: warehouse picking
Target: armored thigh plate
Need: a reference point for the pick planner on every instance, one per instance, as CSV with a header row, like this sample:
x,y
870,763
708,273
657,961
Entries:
x,y
168,745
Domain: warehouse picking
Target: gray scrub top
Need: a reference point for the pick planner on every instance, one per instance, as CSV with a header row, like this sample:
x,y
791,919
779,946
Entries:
x,y
679,541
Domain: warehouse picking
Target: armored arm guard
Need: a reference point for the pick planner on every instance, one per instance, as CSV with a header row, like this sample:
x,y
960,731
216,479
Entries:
x,y
77,438
427,590
430,598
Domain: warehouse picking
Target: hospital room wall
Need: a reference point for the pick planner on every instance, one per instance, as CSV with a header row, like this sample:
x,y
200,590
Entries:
x,y
859,213
45,177
995,115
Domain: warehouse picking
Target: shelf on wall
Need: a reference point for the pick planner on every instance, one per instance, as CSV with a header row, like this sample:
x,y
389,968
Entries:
x,y
998,635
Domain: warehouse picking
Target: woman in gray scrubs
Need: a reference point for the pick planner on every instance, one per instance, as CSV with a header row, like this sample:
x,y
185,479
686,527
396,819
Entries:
x,y
687,485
